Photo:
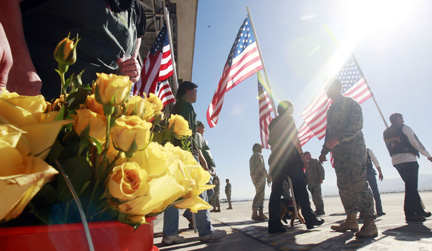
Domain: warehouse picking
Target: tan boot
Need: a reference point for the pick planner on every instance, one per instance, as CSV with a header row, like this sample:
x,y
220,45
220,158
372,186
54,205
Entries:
x,y
261,215
254,214
349,224
368,230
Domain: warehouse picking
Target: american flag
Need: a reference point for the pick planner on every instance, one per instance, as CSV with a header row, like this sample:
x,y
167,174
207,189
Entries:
x,y
265,110
243,61
157,68
315,114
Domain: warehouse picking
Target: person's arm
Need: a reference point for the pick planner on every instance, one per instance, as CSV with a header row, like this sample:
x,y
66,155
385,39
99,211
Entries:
x,y
22,78
129,66
202,160
415,142
6,60
376,163
321,172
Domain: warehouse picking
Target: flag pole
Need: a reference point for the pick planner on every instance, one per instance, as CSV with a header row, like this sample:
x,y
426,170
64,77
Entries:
x,y
373,96
176,85
262,61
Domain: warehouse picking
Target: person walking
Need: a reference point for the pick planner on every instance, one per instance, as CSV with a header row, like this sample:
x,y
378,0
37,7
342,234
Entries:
x,y
286,160
344,138
404,148
258,175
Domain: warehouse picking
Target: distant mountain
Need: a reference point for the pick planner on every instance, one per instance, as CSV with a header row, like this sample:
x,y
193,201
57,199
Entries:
x,y
388,185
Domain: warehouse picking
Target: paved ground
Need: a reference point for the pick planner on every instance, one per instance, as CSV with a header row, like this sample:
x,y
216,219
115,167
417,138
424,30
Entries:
x,y
245,234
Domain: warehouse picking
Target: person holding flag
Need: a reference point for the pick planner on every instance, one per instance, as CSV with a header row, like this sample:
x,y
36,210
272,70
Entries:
x,y
344,138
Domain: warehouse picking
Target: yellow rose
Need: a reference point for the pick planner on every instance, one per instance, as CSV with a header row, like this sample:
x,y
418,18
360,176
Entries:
x,y
157,199
155,159
112,89
131,133
148,111
179,126
93,105
17,115
194,203
89,125
155,101
65,52
135,106
21,174
42,136
185,157
128,181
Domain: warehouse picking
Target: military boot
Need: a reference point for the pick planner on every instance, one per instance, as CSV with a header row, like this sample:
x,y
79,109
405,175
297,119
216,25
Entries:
x,y
254,214
261,214
349,224
368,230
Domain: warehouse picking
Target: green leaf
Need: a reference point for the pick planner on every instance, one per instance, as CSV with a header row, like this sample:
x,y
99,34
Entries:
x,y
41,204
80,174
55,152
77,98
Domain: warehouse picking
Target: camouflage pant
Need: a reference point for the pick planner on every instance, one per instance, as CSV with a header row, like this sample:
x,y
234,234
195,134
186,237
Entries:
x,y
353,188
259,182
316,193
214,201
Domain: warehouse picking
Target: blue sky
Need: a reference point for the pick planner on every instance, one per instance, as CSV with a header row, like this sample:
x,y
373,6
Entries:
x,y
300,40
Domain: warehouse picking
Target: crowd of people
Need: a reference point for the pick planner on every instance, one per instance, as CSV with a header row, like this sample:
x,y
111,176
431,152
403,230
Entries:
x,y
29,35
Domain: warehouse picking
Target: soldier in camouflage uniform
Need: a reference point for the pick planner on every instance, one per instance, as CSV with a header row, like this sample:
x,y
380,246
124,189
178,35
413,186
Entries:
x,y
214,201
315,175
258,175
344,138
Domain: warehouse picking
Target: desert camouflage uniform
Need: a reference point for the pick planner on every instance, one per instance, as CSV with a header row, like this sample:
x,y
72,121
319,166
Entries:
x,y
214,201
345,122
258,175
314,174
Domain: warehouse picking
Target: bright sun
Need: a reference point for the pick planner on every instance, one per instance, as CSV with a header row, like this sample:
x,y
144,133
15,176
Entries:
x,y
372,17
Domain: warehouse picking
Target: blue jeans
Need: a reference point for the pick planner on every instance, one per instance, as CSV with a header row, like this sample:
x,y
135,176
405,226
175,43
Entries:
x,y
409,174
202,218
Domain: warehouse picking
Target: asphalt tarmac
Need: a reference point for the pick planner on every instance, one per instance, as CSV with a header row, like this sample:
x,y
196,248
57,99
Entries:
x,y
245,234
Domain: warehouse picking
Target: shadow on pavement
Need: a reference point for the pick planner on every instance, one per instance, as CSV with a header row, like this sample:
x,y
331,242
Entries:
x,y
418,231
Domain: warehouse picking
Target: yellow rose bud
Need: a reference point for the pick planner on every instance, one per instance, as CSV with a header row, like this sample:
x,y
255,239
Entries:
x,y
135,106
93,105
111,89
65,52
130,134
155,101
128,181
179,126
90,125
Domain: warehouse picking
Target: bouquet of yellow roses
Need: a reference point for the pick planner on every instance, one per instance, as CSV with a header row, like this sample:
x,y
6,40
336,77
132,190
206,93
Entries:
x,y
113,151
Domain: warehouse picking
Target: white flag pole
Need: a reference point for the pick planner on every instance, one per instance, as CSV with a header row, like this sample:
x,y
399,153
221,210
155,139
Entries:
x,y
373,96
176,85
262,61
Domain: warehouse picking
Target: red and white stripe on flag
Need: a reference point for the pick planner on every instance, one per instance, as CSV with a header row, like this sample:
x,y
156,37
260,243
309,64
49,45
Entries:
x,y
315,114
163,91
265,110
243,61
157,68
